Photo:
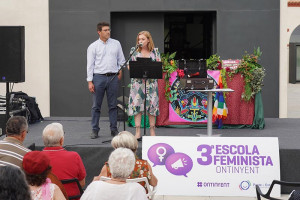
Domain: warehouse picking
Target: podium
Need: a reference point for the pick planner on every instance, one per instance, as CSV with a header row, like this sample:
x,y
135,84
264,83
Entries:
x,y
145,68
209,105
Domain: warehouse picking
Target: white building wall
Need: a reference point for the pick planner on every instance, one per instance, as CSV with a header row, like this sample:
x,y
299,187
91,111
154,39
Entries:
x,y
289,20
34,15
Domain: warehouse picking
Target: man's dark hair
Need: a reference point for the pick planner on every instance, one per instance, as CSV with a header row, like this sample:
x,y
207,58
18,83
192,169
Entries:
x,y
16,125
13,185
101,24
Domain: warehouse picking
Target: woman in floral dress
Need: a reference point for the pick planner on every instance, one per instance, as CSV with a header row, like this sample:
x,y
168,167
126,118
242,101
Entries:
x,y
137,89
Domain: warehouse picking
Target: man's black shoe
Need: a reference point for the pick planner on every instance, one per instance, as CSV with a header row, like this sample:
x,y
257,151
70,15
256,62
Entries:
x,y
94,135
114,133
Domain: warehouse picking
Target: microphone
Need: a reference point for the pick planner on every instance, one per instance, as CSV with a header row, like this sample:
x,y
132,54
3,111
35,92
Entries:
x,y
137,46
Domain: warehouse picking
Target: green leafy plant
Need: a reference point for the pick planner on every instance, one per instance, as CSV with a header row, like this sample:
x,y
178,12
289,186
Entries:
x,y
249,68
214,62
253,74
169,66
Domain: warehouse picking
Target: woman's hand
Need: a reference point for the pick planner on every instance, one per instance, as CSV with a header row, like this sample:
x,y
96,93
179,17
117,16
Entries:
x,y
153,181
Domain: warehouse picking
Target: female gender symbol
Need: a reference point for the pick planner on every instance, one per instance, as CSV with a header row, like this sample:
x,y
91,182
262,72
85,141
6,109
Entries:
x,y
161,155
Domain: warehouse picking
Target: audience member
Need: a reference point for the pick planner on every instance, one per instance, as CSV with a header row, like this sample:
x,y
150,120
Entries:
x,y
11,147
141,169
36,165
13,185
65,164
121,162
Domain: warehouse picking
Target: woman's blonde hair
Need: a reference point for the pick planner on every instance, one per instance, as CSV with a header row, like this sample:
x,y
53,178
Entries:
x,y
148,35
126,140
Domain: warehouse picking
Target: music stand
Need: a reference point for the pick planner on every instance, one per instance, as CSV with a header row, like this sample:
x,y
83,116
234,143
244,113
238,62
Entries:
x,y
145,68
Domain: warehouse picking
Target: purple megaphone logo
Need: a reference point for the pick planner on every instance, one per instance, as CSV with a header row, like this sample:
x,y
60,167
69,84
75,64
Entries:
x,y
159,152
179,164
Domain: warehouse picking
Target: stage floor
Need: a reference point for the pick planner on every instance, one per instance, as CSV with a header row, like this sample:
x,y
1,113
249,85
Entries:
x,y
77,131
94,152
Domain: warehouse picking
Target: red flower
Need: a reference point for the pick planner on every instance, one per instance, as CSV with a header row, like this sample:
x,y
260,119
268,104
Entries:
x,y
219,65
180,73
227,69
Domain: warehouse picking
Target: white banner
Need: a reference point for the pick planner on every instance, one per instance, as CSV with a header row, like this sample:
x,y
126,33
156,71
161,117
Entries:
x,y
213,166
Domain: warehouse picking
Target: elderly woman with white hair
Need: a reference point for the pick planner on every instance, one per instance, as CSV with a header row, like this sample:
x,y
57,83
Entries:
x,y
121,162
141,169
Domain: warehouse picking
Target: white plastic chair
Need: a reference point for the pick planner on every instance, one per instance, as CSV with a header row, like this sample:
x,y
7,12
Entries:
x,y
151,190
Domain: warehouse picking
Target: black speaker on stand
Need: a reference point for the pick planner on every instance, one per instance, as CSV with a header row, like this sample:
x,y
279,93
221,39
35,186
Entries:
x,y
12,59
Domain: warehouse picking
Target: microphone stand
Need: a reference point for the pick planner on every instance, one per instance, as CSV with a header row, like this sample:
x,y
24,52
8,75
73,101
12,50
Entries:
x,y
123,66
123,86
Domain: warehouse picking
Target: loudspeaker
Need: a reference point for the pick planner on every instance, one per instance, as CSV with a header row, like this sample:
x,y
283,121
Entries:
x,y
12,56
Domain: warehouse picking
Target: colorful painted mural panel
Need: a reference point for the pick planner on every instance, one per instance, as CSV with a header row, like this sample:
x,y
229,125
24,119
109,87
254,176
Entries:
x,y
188,106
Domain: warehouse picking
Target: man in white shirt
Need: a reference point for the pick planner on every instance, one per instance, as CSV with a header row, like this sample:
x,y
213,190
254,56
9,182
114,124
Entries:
x,y
104,59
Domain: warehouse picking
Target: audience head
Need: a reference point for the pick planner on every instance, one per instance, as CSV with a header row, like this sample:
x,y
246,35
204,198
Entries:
x,y
36,165
53,135
13,185
17,126
126,140
121,163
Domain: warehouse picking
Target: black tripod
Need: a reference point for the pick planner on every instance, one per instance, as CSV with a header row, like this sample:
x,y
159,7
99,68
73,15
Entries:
x,y
145,77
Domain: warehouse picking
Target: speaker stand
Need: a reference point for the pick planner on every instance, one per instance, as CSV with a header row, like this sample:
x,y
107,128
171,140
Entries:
x,y
7,100
4,117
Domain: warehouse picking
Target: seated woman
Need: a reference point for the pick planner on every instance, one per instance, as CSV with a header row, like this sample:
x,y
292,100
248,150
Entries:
x,y
141,169
13,185
121,162
36,167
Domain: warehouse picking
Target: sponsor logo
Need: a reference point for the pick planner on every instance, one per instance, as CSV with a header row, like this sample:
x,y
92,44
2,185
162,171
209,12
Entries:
x,y
245,185
262,185
211,184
